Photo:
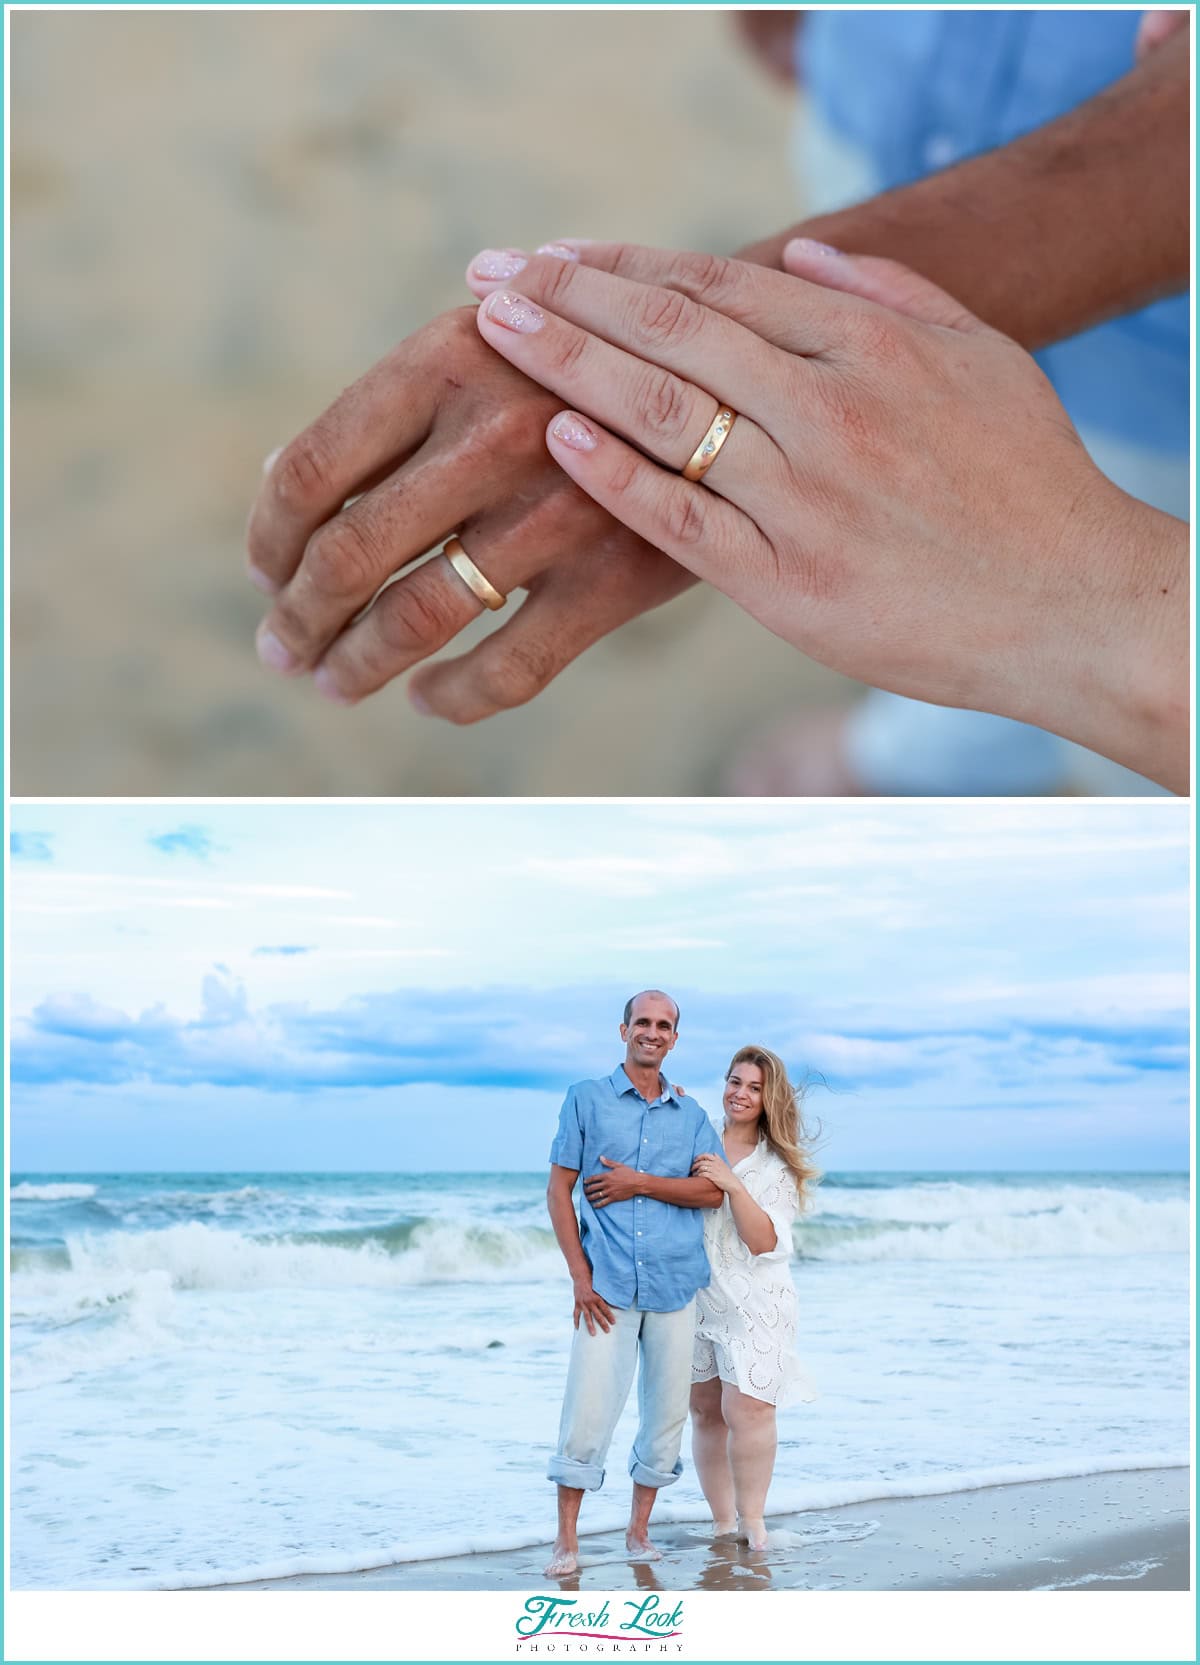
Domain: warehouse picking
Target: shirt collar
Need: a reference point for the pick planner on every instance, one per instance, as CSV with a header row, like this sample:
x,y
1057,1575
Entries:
x,y
621,1085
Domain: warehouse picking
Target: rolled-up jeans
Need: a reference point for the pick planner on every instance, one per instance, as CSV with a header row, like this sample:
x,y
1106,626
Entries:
x,y
598,1380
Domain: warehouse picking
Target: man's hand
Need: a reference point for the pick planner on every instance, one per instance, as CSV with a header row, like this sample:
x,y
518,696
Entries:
x,y
440,436
592,1308
617,1185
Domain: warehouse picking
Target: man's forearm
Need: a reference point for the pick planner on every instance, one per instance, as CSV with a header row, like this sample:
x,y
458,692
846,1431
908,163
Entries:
x,y
1079,221
561,1209
684,1193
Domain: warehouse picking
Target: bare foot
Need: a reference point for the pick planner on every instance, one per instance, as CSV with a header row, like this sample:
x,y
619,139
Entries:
x,y
754,1532
724,1528
564,1560
638,1544
802,758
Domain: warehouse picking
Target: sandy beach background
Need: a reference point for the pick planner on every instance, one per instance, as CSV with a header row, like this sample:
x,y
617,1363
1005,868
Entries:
x,y
221,218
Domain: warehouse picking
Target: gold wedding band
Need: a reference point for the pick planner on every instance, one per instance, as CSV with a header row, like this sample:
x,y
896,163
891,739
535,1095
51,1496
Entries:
x,y
705,453
471,576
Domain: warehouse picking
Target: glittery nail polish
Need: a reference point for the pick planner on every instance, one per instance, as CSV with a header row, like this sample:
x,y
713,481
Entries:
x,y
494,265
574,432
515,312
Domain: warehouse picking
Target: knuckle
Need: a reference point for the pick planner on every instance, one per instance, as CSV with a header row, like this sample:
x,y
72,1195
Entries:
x,y
662,404
623,475
570,350
555,279
665,317
519,427
686,516
524,670
412,620
303,476
880,337
344,559
705,277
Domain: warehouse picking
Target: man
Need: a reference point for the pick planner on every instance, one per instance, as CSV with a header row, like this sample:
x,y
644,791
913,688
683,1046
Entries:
x,y
636,1265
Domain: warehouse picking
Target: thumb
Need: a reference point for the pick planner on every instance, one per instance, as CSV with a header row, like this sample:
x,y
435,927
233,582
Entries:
x,y
607,1163
883,281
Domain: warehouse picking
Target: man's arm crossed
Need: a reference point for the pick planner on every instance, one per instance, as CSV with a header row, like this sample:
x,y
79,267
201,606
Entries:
x,y
617,1183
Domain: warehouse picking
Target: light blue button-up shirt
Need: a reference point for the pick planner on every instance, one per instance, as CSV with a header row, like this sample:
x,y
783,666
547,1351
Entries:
x,y
643,1253
918,90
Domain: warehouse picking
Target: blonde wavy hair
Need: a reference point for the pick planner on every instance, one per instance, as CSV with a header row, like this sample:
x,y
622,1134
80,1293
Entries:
x,y
782,1120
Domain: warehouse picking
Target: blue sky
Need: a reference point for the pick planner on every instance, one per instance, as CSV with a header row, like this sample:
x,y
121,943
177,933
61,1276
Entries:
x,y
412,986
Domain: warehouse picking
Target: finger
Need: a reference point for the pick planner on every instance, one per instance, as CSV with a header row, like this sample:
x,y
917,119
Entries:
x,y
373,426
686,520
607,1163
604,1319
663,414
607,1310
571,608
351,556
660,326
765,302
427,608
885,282
1156,27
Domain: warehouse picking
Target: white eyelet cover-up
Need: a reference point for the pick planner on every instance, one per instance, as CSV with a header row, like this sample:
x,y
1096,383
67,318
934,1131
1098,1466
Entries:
x,y
746,1318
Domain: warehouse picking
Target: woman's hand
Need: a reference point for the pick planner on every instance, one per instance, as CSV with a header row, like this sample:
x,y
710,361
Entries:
x,y
720,1173
901,496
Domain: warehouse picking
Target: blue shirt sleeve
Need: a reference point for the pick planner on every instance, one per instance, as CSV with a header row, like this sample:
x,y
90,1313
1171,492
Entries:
x,y
708,1142
567,1149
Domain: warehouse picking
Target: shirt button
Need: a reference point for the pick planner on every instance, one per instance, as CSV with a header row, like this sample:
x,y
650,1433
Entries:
x,y
639,1234
940,150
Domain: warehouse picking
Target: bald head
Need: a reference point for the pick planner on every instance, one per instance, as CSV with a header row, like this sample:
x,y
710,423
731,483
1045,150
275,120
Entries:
x,y
649,994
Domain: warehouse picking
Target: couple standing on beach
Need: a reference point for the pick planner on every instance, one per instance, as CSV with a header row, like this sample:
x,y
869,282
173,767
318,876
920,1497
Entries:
x,y
679,1259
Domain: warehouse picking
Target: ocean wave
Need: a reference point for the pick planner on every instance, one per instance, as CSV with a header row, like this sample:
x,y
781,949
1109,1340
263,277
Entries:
x,y
197,1256
93,1326
1072,1223
939,1202
26,1192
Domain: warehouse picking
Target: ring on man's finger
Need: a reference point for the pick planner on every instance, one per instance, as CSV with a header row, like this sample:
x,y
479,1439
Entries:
x,y
480,587
705,454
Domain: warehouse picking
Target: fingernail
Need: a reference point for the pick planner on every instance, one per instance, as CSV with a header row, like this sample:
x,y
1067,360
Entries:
x,y
809,245
515,312
573,431
271,458
259,579
324,683
560,251
497,264
418,703
272,652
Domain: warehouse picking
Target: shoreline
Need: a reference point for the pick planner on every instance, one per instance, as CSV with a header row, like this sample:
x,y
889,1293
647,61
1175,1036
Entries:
x,y
1121,1530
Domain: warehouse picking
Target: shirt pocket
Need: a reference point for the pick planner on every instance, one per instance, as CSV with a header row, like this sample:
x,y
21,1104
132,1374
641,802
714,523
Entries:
x,y
615,1133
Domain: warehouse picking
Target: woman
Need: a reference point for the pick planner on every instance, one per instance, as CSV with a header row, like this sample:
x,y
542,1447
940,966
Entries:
x,y
744,1363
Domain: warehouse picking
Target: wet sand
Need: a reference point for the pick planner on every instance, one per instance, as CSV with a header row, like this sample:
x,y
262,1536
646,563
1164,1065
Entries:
x,y
1127,1531
221,218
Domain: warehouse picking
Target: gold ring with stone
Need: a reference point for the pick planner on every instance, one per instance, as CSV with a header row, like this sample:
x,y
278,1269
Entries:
x,y
705,453
480,587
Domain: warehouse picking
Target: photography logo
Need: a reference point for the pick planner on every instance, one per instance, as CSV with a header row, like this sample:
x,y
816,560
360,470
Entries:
x,y
640,1625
